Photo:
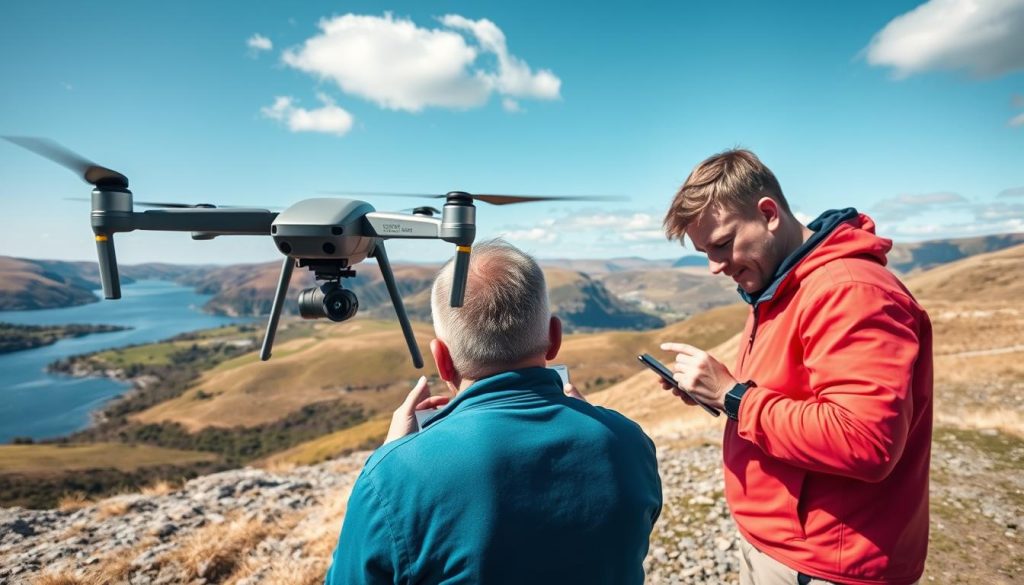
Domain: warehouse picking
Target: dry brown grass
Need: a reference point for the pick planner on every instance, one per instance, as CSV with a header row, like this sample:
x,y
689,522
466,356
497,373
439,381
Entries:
x,y
161,487
287,572
996,276
217,551
111,507
366,435
57,579
48,458
73,501
112,570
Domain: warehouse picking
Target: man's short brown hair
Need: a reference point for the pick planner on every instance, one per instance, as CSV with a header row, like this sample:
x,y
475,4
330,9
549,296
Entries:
x,y
734,180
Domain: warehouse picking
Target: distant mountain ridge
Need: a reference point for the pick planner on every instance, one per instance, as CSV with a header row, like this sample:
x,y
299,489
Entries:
x,y
920,256
44,284
626,292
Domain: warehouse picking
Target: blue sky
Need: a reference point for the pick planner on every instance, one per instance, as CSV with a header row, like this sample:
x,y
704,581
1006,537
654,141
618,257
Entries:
x,y
911,112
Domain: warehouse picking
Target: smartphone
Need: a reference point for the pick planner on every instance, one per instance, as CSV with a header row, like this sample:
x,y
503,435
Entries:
x,y
660,369
423,416
563,372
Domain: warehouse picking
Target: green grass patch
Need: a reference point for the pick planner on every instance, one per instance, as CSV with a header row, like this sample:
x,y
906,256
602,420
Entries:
x,y
152,354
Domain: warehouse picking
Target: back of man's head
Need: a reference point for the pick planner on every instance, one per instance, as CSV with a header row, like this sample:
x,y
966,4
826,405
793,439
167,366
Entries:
x,y
733,180
505,317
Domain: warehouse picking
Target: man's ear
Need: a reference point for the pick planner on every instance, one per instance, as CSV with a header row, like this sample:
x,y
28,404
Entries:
x,y
554,338
769,211
444,363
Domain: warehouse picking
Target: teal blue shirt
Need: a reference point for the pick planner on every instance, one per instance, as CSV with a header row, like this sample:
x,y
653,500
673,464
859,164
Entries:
x,y
513,482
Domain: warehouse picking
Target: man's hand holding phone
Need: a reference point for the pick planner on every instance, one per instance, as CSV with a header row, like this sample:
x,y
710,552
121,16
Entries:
x,y
404,421
668,382
694,370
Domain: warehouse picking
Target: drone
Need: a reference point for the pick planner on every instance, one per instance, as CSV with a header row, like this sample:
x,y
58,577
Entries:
x,y
327,235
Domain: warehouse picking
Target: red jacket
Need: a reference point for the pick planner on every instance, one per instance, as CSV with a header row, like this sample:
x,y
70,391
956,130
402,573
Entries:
x,y
827,469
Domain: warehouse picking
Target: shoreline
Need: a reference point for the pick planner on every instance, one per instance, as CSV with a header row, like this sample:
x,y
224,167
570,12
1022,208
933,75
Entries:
x,y
16,337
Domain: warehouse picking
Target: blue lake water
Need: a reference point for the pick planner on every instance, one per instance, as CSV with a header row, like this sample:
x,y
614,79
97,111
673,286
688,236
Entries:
x,y
36,404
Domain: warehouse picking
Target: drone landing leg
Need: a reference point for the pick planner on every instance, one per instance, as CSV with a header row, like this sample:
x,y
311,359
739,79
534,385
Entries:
x,y
108,266
275,309
396,300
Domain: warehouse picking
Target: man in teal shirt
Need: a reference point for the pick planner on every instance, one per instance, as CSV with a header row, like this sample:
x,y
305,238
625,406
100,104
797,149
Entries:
x,y
514,481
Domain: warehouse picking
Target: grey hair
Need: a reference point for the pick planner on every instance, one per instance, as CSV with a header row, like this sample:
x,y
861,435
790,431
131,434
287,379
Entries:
x,y
505,316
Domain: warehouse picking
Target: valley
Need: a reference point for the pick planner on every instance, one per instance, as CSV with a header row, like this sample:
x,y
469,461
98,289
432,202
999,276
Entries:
x,y
232,410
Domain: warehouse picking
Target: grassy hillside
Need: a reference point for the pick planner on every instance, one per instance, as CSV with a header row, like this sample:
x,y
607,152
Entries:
x,y
996,277
61,457
362,363
367,435
28,284
595,361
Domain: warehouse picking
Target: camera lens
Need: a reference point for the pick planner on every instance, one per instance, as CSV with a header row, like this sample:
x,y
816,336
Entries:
x,y
328,301
340,304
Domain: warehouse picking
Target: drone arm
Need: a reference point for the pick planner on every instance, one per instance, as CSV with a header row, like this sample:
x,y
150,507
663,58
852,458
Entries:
x,y
237,222
396,300
385,224
108,265
275,309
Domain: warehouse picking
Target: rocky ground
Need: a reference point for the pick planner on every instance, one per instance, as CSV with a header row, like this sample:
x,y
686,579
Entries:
x,y
280,526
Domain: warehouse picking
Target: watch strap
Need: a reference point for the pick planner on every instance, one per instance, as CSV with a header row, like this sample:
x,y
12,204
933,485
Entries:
x,y
733,398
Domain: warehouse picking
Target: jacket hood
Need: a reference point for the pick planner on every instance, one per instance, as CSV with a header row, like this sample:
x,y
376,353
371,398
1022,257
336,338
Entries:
x,y
838,233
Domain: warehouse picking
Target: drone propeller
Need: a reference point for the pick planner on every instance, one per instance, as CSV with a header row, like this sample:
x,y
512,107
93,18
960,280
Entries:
x,y
162,205
89,171
158,204
487,197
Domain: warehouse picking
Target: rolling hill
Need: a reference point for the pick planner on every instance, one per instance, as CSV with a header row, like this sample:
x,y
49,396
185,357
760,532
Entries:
x,y
978,332
919,256
45,284
672,293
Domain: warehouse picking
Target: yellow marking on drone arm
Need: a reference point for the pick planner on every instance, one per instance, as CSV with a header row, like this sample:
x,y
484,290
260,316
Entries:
x,y
465,249
102,238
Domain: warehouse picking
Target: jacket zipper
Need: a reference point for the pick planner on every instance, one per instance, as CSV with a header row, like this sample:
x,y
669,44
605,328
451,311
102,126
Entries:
x,y
750,340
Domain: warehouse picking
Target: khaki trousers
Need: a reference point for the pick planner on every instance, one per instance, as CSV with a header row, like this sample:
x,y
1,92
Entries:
x,y
757,568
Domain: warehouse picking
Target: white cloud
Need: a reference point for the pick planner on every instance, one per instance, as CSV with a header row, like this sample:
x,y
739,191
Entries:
x,y
511,105
644,236
513,77
635,221
541,235
1017,120
999,215
1012,192
985,38
258,42
802,217
398,65
329,118
916,204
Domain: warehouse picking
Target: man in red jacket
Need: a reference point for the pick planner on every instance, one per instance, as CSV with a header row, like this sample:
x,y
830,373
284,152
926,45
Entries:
x,y
830,402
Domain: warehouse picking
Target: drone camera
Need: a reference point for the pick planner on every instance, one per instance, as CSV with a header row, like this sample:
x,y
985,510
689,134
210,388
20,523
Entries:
x,y
328,301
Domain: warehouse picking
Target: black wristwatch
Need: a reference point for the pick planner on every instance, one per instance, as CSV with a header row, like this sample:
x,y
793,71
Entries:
x,y
733,397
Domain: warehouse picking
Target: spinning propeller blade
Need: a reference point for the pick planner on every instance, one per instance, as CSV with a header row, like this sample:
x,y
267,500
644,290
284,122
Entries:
x,y
89,171
486,198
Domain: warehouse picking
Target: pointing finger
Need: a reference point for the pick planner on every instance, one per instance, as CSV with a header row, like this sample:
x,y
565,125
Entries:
x,y
682,348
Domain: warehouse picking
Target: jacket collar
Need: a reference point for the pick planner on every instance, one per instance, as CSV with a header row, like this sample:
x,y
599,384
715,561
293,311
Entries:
x,y
502,386
822,227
